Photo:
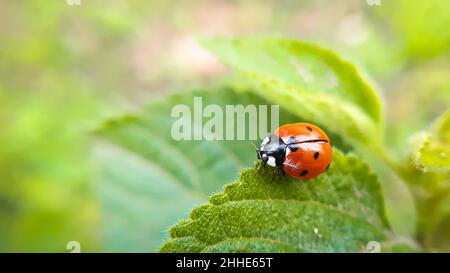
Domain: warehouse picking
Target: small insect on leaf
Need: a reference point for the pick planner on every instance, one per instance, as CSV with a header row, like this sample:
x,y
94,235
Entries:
x,y
339,211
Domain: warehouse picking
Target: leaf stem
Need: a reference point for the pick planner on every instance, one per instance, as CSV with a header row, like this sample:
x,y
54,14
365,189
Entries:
x,y
392,162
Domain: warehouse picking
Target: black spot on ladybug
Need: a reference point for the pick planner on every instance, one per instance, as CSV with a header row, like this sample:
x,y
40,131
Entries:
x,y
309,128
326,169
316,155
304,172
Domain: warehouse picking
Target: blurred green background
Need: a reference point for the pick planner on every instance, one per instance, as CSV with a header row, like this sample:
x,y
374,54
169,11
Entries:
x,y
65,68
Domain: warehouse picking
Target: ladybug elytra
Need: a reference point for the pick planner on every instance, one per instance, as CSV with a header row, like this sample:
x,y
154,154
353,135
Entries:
x,y
300,150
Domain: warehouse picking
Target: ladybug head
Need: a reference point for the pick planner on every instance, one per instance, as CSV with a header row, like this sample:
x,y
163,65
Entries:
x,y
266,158
272,150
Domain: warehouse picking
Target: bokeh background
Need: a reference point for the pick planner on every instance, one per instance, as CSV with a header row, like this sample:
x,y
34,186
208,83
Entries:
x,y
66,68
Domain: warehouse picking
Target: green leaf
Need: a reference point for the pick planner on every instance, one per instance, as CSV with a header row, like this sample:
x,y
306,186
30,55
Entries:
x,y
400,247
310,81
150,180
434,153
433,186
420,35
341,210
434,212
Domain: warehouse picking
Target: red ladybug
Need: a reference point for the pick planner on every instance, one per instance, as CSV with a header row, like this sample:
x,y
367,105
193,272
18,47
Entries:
x,y
300,150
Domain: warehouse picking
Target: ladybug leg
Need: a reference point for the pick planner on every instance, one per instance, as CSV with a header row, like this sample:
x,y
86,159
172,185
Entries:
x,y
280,171
262,165
280,174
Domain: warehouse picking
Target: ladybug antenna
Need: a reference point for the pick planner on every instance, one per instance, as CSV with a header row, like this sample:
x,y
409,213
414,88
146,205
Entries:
x,y
256,148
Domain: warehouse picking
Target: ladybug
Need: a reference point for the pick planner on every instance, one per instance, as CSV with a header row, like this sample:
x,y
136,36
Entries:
x,y
300,150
